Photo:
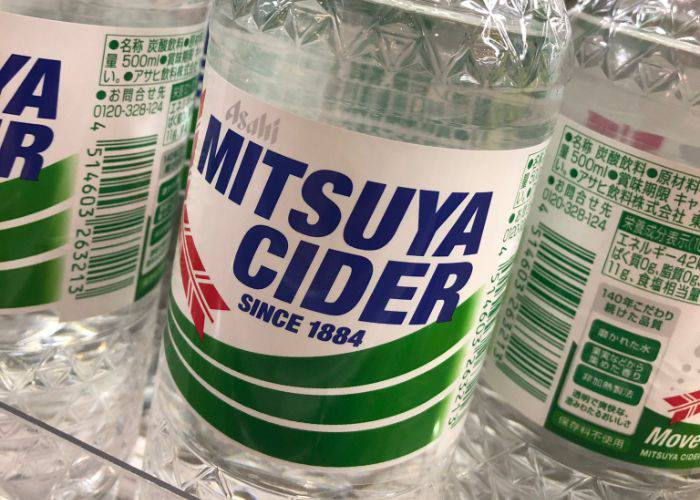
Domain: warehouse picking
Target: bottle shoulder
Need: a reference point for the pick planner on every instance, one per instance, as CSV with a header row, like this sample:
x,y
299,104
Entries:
x,y
512,44
123,13
668,21
648,49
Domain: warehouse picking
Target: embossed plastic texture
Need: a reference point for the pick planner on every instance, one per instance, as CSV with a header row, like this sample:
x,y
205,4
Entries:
x,y
51,465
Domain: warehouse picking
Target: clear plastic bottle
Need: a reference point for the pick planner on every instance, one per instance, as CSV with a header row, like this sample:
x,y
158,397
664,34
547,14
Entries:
x,y
83,375
633,95
417,80
165,289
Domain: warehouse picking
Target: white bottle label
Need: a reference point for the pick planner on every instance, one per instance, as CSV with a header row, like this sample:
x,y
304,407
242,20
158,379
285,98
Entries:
x,y
93,128
597,340
335,290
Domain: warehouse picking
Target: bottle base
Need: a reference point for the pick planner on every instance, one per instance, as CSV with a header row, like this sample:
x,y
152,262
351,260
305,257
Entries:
x,y
87,380
502,455
185,451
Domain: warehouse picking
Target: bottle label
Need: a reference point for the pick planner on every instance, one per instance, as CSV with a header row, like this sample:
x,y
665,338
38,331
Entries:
x,y
597,341
195,115
335,290
93,130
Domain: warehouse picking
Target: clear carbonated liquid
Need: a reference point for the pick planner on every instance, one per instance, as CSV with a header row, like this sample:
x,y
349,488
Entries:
x,y
84,377
645,81
433,73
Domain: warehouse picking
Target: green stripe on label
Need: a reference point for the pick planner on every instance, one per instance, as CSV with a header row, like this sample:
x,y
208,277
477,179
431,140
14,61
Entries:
x,y
31,285
324,449
327,410
362,367
19,198
34,238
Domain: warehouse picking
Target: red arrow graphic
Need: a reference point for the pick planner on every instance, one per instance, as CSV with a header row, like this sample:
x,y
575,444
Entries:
x,y
684,406
202,295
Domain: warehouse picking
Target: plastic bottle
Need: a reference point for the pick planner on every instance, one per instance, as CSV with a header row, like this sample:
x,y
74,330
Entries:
x,y
94,110
592,385
165,289
361,175
164,298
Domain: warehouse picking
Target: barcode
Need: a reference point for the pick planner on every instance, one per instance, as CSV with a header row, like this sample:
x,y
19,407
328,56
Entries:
x,y
496,295
541,322
120,213
502,274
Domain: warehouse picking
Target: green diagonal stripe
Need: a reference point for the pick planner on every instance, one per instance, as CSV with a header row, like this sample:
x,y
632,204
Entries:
x,y
34,238
362,367
325,449
31,285
19,198
327,410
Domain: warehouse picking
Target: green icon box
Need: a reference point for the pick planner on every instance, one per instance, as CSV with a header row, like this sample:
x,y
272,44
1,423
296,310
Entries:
x,y
616,364
608,386
623,341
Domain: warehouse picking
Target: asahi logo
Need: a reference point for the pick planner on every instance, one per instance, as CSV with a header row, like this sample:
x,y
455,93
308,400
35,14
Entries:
x,y
260,127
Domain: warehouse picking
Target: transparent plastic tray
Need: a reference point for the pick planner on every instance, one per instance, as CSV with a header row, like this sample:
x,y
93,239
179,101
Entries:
x,y
75,470
71,470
